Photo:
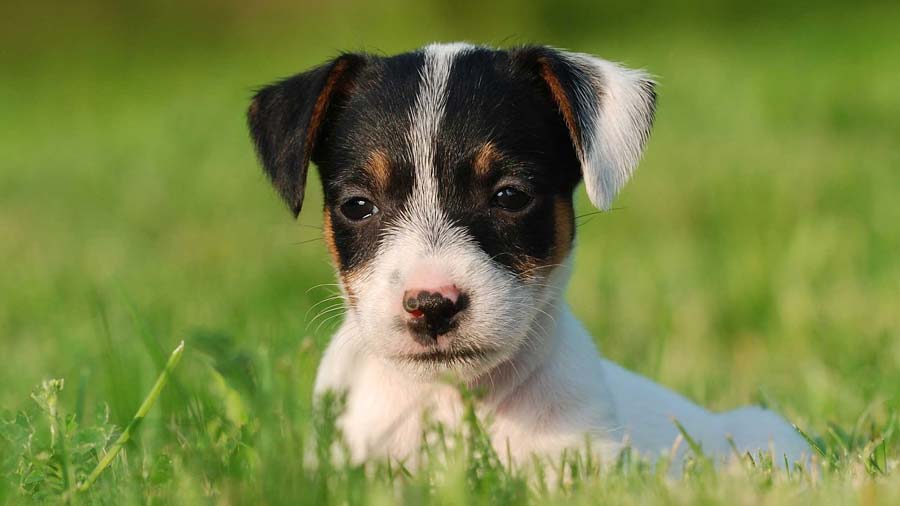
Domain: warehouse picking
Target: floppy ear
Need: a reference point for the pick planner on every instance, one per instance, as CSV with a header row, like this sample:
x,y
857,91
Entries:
x,y
608,110
286,118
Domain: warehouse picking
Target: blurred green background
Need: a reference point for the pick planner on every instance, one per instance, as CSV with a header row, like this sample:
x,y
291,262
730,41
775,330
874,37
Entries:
x,y
753,258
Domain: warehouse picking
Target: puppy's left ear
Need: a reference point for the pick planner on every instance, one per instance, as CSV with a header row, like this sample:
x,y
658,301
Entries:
x,y
286,120
608,110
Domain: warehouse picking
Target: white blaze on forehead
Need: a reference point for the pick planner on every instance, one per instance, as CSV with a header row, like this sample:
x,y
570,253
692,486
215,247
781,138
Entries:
x,y
423,214
428,111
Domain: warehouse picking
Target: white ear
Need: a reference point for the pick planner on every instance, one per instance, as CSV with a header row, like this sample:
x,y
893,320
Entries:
x,y
621,104
609,111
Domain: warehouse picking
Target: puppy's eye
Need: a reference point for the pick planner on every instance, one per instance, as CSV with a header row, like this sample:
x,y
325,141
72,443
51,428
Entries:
x,y
358,209
511,199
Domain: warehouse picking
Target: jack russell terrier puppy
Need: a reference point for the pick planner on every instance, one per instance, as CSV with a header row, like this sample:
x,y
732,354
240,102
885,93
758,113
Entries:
x,y
448,176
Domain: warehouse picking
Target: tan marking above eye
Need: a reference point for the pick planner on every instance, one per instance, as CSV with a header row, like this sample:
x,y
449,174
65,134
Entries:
x,y
378,165
485,158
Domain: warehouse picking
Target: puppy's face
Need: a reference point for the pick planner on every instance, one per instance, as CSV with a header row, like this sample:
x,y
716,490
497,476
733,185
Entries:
x,y
448,176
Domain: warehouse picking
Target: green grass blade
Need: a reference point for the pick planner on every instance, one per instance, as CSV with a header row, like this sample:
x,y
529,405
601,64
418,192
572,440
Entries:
x,y
694,445
161,381
811,442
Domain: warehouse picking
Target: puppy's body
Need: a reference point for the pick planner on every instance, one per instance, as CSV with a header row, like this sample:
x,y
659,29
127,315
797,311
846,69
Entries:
x,y
448,176
541,403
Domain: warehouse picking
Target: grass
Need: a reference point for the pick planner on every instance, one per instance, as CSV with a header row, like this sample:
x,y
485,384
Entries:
x,y
753,259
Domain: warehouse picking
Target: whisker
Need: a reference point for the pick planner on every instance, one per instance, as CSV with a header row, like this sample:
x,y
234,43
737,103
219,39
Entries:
x,y
585,222
593,213
328,310
323,301
330,318
321,285
301,243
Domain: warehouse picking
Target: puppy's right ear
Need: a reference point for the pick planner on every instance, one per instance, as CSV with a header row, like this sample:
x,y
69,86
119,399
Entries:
x,y
286,119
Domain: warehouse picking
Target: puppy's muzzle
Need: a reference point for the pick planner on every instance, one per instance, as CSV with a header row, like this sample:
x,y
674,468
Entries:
x,y
432,313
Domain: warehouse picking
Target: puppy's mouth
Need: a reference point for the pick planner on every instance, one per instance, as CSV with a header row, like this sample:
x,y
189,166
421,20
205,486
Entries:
x,y
449,356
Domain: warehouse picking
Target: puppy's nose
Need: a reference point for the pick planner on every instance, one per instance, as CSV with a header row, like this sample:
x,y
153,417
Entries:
x,y
432,311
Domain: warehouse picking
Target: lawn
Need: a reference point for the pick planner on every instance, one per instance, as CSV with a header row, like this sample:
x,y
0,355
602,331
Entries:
x,y
753,259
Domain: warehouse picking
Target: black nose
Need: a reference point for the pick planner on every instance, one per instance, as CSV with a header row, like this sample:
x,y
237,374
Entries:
x,y
431,314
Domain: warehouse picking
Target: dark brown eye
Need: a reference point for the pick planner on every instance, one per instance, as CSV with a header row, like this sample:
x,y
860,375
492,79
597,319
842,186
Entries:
x,y
511,199
358,209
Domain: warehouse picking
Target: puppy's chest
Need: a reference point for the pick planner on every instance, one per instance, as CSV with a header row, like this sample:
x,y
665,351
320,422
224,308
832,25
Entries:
x,y
385,417
390,420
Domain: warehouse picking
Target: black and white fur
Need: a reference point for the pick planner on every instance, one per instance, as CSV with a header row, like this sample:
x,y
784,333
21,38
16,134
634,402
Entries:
x,y
426,159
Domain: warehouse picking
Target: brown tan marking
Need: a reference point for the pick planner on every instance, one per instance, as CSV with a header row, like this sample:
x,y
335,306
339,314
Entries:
x,y
562,101
485,158
564,216
321,107
531,268
328,232
378,165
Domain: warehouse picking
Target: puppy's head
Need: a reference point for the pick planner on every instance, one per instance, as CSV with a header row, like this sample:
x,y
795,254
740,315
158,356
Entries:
x,y
448,175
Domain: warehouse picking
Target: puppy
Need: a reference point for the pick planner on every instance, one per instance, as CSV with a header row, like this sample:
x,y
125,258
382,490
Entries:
x,y
448,174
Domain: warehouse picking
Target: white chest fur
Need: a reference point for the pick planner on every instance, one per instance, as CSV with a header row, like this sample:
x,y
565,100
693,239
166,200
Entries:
x,y
541,402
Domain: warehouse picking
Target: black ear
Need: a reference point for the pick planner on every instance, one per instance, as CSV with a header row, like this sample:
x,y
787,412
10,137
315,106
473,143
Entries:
x,y
286,119
607,108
